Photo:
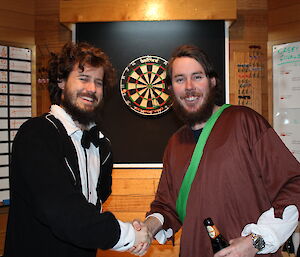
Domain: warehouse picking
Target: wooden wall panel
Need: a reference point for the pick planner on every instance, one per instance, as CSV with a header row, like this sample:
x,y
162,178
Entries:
x,y
284,33
72,11
50,36
17,28
3,222
132,192
252,5
284,14
250,28
13,19
17,21
128,202
275,4
19,6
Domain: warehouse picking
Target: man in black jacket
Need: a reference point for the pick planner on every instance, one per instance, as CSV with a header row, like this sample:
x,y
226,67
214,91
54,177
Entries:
x,y
61,167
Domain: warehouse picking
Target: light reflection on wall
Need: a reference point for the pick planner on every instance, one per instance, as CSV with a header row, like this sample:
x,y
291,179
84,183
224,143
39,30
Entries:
x,y
153,11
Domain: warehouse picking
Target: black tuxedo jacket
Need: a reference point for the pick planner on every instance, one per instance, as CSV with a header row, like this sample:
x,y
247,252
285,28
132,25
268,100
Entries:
x,y
48,214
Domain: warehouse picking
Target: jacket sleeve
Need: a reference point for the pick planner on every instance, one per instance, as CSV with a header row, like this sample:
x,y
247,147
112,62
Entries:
x,y
39,175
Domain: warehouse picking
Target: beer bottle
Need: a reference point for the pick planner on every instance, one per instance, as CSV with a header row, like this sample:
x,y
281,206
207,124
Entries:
x,y
289,246
218,242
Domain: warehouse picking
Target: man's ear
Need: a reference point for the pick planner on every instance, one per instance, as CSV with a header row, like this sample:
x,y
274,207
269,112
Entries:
x,y
213,81
61,84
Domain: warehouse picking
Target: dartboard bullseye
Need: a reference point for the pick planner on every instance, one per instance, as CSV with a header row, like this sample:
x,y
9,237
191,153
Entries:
x,y
143,85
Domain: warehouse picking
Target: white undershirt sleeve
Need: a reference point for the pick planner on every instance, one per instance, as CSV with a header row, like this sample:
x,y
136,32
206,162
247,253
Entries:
x,y
127,237
162,235
275,231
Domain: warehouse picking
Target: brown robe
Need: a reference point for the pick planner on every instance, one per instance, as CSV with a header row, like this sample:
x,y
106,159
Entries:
x,y
245,170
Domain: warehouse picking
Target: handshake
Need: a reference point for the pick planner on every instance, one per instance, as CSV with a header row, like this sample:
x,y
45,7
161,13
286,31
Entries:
x,y
144,233
143,238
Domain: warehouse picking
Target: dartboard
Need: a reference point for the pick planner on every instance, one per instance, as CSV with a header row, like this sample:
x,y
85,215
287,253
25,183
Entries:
x,y
143,85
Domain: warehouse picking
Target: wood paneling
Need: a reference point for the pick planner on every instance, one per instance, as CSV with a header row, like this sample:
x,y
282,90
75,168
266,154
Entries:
x,y
137,173
21,6
17,28
250,28
17,21
275,4
133,191
252,5
3,222
11,19
50,36
72,11
284,15
124,203
284,33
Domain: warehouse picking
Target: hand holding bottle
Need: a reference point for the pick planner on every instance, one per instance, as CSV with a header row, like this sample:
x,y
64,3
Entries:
x,y
241,247
218,242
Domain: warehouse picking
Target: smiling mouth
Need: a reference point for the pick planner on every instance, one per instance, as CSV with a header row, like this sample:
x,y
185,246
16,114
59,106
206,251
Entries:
x,y
88,99
191,98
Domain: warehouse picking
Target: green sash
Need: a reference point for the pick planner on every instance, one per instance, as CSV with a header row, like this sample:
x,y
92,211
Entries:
x,y
192,169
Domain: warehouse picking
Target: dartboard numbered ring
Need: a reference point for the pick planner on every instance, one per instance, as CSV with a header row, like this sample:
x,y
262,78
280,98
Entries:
x,y
143,85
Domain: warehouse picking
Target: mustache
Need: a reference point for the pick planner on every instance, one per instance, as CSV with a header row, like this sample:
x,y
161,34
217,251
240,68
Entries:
x,y
88,94
191,93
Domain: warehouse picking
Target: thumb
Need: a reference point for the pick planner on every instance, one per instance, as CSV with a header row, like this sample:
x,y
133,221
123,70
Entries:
x,y
136,225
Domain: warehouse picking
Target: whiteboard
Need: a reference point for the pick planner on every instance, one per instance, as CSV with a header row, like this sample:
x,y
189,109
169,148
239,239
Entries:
x,y
15,104
286,94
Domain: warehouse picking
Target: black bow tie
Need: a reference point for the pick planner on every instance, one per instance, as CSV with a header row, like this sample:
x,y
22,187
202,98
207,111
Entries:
x,y
89,136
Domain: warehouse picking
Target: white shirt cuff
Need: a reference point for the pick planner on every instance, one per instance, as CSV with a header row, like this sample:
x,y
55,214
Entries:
x,y
275,231
127,237
162,235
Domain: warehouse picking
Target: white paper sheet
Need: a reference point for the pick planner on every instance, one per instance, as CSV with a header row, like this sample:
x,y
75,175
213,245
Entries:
x,y
20,89
3,88
3,51
19,53
4,171
20,100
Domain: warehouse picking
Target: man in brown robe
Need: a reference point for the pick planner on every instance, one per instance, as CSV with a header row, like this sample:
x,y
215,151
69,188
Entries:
x,y
247,181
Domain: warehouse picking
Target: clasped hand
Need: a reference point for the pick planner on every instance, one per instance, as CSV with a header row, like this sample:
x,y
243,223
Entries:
x,y
143,238
239,247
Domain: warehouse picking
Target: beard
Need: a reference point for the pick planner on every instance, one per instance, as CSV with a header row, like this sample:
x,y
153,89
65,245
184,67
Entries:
x,y
84,117
202,114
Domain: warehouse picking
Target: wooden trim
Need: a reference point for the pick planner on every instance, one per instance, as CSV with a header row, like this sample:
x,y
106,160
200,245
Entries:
x,y
73,11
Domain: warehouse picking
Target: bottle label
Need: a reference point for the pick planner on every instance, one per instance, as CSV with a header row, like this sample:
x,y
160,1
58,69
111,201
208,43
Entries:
x,y
213,232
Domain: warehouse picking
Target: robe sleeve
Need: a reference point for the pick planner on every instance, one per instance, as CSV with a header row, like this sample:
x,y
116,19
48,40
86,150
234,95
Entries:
x,y
164,200
280,171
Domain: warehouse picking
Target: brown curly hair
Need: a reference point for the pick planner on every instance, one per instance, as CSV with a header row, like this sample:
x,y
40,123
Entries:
x,y
60,65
